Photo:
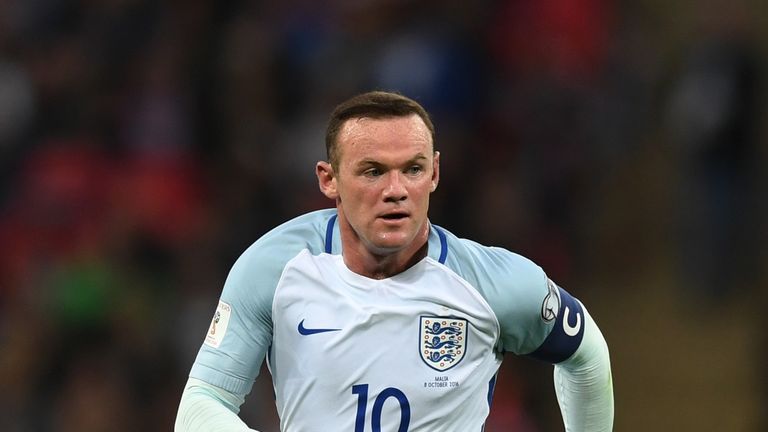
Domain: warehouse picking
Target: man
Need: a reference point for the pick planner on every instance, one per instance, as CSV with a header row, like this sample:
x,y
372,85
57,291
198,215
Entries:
x,y
373,319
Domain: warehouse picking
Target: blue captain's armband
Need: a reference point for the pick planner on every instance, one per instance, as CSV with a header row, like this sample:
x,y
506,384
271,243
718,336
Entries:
x,y
568,329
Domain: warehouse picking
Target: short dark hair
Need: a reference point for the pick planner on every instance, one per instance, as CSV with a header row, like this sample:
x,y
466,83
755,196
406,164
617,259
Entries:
x,y
376,105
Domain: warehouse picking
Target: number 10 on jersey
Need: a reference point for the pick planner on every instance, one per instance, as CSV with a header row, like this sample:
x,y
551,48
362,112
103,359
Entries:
x,y
361,390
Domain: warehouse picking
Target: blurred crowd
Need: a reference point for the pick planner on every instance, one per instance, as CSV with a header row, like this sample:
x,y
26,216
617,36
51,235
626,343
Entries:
x,y
145,144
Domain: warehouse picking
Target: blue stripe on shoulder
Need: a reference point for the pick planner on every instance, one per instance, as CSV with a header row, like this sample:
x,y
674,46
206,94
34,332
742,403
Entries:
x,y
443,246
329,234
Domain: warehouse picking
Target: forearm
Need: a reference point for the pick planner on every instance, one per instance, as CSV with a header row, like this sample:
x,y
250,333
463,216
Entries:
x,y
584,386
206,408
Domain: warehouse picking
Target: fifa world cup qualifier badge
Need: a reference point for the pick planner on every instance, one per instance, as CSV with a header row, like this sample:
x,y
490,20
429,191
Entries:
x,y
442,341
219,325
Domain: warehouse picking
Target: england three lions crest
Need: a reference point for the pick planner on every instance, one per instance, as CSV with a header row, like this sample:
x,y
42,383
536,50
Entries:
x,y
442,341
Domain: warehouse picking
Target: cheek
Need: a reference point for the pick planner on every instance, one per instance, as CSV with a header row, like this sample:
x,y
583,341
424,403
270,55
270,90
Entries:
x,y
358,197
423,192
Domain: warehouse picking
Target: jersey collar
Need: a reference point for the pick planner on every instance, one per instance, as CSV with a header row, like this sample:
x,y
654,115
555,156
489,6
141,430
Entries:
x,y
437,250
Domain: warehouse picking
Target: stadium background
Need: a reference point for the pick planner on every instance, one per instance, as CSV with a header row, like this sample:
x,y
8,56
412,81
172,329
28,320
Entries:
x,y
145,144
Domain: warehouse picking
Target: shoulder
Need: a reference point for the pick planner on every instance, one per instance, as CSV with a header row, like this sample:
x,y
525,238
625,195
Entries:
x,y
285,241
514,287
485,266
306,231
261,264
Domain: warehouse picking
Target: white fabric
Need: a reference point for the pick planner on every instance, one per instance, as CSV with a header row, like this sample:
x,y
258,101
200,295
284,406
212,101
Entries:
x,y
371,365
584,386
207,408
374,354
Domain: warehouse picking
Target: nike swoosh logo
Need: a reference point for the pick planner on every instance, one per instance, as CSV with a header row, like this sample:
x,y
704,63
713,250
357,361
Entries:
x,y
310,331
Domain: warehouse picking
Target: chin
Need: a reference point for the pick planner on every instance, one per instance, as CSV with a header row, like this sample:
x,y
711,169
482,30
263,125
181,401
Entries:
x,y
391,245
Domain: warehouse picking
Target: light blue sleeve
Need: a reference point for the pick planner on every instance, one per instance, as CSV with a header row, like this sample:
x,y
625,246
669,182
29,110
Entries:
x,y
536,317
541,320
233,358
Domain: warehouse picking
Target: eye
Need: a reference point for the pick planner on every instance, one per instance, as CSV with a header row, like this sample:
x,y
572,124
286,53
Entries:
x,y
372,172
414,169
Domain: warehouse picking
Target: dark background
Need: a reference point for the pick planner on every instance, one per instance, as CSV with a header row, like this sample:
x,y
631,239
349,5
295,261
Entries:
x,y
145,144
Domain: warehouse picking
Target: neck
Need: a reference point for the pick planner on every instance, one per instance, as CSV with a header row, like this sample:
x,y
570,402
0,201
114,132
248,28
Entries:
x,y
362,259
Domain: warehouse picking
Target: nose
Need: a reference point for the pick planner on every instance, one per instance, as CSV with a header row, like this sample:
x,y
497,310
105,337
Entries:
x,y
395,189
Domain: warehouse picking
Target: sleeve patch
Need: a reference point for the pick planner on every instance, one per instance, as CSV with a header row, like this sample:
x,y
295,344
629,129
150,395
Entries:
x,y
219,325
568,329
551,304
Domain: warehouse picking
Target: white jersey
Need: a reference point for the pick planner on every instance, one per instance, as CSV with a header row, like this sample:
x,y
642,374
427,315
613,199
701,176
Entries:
x,y
415,352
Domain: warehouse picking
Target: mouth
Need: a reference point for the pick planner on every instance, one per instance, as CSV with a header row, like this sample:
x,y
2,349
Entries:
x,y
394,216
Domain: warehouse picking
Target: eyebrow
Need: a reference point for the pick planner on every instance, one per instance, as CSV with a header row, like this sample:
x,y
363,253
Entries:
x,y
418,158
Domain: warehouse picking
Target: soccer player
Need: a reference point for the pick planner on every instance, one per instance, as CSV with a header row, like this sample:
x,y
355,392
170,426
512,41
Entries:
x,y
371,318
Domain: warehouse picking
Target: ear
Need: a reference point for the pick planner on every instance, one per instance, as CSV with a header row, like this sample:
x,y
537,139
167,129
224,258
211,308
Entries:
x,y
326,179
435,171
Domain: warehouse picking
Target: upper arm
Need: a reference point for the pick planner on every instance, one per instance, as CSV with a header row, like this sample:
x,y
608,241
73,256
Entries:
x,y
232,357
568,325
536,317
241,329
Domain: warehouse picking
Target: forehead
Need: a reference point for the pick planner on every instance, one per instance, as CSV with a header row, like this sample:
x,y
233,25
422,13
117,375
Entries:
x,y
384,135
